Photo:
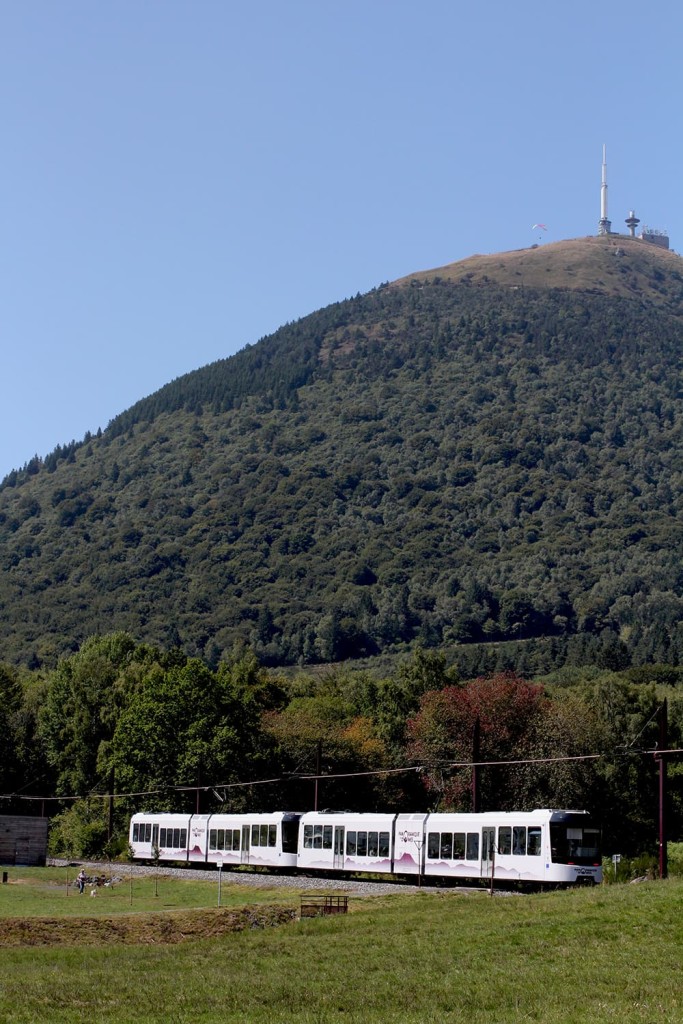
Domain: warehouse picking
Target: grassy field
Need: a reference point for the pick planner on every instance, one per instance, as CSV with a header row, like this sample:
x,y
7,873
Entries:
x,y
611,954
50,892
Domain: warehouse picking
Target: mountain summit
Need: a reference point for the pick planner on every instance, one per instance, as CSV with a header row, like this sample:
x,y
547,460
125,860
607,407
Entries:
x,y
615,265
486,451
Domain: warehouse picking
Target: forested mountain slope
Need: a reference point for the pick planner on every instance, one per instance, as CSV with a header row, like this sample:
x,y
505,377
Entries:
x,y
490,450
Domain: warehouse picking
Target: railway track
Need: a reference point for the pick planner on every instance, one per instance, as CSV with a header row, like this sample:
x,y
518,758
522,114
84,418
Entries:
x,y
262,880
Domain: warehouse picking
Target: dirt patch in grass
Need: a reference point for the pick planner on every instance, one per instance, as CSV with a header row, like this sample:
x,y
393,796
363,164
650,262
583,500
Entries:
x,y
139,929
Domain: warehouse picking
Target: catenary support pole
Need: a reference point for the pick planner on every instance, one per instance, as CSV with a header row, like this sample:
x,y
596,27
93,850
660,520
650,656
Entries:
x,y
475,767
318,768
663,745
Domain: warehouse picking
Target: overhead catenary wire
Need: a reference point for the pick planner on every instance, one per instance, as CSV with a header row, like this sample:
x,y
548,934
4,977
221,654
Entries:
x,y
348,775
652,717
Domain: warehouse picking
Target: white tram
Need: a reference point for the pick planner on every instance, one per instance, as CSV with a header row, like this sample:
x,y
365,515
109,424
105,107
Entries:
x,y
541,847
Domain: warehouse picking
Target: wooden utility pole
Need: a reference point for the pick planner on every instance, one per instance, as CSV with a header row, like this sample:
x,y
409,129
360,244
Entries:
x,y
663,743
110,815
318,767
475,766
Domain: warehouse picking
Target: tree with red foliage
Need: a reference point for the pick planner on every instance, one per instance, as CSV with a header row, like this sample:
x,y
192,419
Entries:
x,y
510,712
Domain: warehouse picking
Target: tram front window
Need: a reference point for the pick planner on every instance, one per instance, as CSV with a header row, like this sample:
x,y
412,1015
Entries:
x,y
574,843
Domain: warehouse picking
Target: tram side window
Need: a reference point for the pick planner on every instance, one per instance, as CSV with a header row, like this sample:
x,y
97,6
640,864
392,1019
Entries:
x,y
254,835
318,837
433,845
459,846
373,842
148,832
533,842
272,835
383,848
221,839
362,847
505,839
472,846
446,845
519,840
212,838
327,837
139,832
308,837
235,839
183,837
351,843
263,835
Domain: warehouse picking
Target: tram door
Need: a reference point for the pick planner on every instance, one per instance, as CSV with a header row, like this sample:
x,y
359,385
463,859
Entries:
x,y
338,859
488,851
244,852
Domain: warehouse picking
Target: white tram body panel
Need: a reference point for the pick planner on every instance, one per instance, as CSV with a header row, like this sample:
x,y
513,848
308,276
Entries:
x,y
227,843
168,833
346,842
511,845
260,840
199,831
409,844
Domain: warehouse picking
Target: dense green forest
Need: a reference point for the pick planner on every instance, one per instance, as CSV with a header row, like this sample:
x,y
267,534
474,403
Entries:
x,y
166,731
454,500
455,461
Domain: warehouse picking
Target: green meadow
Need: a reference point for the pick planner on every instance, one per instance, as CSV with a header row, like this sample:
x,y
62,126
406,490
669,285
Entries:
x,y
608,954
48,892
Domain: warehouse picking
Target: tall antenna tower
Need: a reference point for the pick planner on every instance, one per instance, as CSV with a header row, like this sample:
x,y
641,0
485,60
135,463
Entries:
x,y
604,225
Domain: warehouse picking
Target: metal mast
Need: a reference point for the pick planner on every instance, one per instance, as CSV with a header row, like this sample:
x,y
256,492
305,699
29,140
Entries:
x,y
604,225
632,223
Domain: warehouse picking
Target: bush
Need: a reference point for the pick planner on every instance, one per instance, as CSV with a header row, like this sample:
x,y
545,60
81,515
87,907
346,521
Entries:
x,y
78,832
646,865
675,852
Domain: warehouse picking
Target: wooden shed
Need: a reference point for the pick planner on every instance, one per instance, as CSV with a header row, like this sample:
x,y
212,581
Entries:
x,y
23,840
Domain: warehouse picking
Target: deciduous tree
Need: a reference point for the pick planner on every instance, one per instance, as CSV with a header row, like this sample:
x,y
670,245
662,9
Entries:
x,y
510,712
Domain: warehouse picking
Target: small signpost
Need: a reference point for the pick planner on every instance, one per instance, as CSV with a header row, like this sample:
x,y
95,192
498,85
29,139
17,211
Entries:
x,y
616,858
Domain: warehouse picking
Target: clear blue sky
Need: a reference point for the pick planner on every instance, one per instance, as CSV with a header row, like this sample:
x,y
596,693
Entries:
x,y
181,177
